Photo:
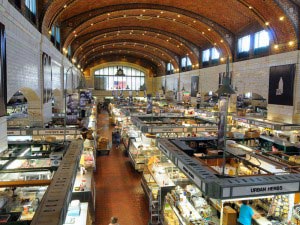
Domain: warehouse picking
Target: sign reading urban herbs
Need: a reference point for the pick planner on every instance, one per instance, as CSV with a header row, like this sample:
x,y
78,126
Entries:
x,y
47,73
3,74
281,84
265,189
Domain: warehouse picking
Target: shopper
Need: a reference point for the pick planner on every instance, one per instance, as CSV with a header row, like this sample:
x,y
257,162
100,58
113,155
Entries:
x,y
117,139
246,214
114,221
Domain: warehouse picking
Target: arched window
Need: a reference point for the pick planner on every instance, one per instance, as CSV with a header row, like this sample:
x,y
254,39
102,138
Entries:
x,y
170,68
119,78
186,63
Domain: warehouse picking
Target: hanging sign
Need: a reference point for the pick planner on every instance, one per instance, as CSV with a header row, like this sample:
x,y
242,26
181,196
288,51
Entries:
x,y
265,189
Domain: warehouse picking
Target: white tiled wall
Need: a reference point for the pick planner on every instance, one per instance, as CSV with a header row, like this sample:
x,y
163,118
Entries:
x,y
3,134
248,76
25,46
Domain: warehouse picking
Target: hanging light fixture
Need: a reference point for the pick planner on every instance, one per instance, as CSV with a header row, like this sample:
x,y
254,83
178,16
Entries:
x,y
226,89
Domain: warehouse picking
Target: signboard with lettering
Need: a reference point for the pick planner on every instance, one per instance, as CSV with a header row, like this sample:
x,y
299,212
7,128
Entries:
x,y
291,128
265,189
13,132
55,132
166,129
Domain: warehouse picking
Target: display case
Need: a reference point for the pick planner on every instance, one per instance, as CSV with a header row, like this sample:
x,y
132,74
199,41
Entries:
x,y
140,150
189,207
21,201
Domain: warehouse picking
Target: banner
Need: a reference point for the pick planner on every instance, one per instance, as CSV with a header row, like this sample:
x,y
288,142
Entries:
x,y
281,84
194,86
72,108
47,73
3,74
85,98
149,104
222,121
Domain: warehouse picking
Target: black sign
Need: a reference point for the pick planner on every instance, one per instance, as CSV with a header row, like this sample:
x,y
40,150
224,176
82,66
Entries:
x,y
281,84
3,74
194,86
47,74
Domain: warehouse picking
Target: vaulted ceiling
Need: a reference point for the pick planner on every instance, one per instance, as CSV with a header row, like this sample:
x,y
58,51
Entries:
x,y
154,32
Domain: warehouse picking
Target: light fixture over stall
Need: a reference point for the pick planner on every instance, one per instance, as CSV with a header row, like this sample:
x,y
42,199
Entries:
x,y
225,90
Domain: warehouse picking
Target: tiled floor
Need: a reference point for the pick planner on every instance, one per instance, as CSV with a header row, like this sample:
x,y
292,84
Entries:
x,y
118,187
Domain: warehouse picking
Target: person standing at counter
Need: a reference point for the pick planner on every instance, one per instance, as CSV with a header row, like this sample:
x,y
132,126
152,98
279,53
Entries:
x,y
246,214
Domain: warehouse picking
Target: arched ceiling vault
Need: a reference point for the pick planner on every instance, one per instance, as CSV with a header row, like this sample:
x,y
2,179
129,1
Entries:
x,y
156,50
137,58
174,28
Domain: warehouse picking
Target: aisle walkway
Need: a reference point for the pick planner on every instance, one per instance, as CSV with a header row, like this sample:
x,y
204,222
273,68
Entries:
x,y
118,187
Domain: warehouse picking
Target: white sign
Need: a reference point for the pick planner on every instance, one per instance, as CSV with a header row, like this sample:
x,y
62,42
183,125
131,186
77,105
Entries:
x,y
207,129
55,132
265,189
190,174
166,129
263,125
13,132
171,114
291,128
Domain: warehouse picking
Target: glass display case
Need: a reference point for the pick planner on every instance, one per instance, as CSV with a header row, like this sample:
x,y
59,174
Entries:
x,y
22,201
186,206
140,151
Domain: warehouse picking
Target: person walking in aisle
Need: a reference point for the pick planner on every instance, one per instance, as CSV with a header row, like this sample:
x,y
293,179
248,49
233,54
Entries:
x,y
114,221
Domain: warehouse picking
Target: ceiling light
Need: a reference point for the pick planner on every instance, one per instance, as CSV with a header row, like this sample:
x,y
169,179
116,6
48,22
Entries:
x,y
50,32
108,14
124,15
81,70
222,59
202,32
178,16
92,24
65,6
291,43
78,66
267,23
209,29
250,7
276,46
281,18
194,21
174,19
75,35
157,16
144,10
221,41
161,12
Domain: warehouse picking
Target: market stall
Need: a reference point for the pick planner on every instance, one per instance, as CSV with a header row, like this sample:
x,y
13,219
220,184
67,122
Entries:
x,y
273,192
